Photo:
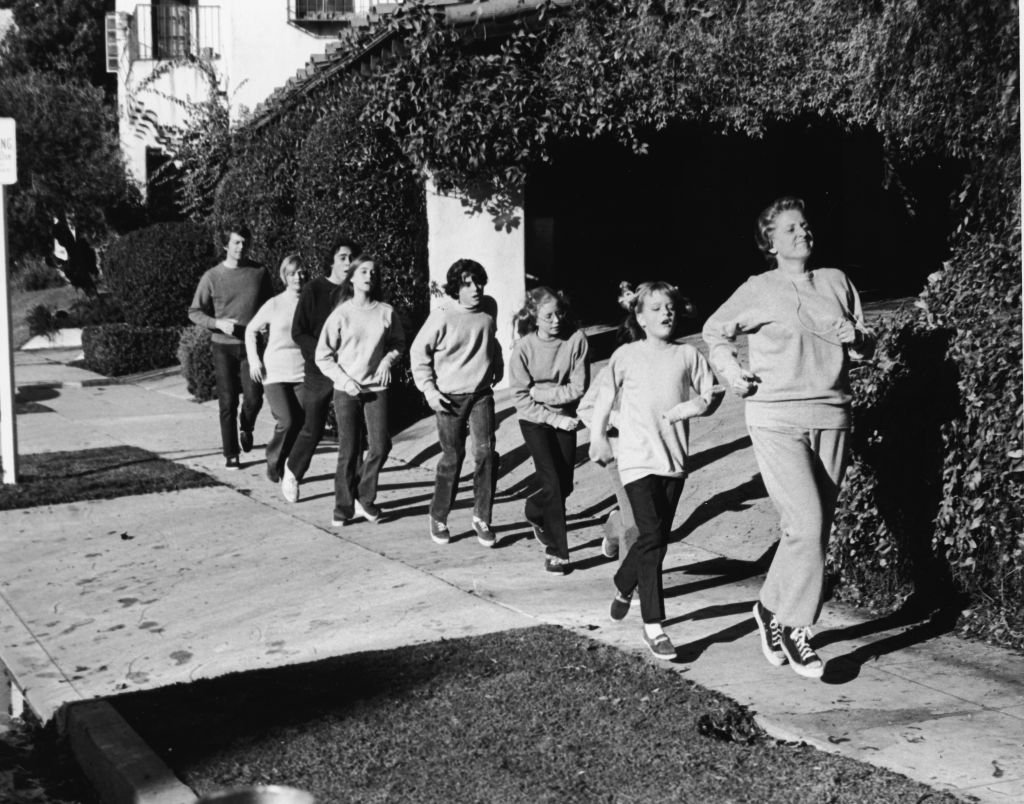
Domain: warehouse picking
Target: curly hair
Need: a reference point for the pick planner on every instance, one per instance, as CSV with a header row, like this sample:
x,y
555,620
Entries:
x,y
460,270
525,320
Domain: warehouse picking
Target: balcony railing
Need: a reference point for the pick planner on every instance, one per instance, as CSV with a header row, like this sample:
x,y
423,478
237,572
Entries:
x,y
329,10
175,32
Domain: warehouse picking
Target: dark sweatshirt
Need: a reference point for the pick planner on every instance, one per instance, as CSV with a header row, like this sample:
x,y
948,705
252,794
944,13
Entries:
x,y
230,293
318,298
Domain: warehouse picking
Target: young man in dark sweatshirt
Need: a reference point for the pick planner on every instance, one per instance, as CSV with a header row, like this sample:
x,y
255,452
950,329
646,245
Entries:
x,y
226,299
319,297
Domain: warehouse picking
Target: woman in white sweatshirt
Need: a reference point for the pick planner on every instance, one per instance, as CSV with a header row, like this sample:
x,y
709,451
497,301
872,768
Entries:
x,y
359,343
802,324
280,369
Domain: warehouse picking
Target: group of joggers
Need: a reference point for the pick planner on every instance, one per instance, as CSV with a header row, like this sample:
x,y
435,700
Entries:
x,y
332,338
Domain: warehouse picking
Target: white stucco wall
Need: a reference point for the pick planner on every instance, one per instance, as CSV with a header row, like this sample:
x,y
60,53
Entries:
x,y
258,52
456,234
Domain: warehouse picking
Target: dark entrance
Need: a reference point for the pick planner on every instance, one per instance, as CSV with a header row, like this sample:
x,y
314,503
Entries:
x,y
686,213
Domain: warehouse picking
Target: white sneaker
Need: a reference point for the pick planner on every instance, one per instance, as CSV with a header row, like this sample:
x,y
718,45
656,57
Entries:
x,y
371,515
289,485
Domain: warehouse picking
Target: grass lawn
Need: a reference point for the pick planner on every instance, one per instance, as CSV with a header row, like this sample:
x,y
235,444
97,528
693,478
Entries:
x,y
24,300
538,715
50,478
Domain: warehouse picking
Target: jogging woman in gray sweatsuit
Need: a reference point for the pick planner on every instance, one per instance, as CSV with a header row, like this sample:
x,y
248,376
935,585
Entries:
x,y
803,325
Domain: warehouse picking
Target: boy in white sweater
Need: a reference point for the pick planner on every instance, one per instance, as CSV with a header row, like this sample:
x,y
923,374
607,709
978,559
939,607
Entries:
x,y
456,360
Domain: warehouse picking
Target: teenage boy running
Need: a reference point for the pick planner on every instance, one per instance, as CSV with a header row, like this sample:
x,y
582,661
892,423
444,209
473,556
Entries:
x,y
318,298
226,299
456,360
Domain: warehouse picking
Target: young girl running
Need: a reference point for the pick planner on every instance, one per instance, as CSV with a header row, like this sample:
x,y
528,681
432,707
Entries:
x,y
360,342
280,370
661,384
548,376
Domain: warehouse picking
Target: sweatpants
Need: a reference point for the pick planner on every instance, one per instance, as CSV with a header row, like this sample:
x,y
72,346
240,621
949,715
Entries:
x,y
802,471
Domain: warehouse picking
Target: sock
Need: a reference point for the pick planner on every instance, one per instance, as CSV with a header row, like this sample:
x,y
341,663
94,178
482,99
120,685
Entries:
x,y
653,629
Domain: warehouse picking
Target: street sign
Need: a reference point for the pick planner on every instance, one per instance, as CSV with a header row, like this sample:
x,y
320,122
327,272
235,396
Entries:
x,y
8,152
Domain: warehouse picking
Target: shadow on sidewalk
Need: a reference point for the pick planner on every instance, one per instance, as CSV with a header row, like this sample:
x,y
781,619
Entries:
x,y
926,625
720,571
737,498
712,454
691,651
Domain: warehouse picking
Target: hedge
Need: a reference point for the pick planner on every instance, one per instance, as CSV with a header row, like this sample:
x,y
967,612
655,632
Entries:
x,y
154,271
118,349
195,354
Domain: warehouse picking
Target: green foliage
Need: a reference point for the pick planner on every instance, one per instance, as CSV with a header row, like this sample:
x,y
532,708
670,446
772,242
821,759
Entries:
x,y
352,178
32,273
195,354
63,37
154,271
118,349
68,158
42,320
934,502
941,82
85,312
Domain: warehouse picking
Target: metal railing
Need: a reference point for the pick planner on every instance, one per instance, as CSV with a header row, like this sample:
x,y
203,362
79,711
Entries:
x,y
328,10
175,32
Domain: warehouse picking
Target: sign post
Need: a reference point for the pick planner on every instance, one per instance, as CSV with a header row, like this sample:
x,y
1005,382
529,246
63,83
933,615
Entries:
x,y
8,422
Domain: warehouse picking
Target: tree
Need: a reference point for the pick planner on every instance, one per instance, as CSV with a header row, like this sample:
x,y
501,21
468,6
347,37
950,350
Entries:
x,y
64,37
68,158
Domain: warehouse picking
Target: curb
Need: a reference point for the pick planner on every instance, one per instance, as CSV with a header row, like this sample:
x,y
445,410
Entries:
x,y
93,382
120,766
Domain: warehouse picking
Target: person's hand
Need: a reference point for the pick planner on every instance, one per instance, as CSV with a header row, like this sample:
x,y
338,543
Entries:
x,y
600,451
227,325
256,370
382,376
742,381
439,403
683,411
352,388
568,423
846,331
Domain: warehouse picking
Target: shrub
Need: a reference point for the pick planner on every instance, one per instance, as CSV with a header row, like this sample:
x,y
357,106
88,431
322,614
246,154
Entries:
x,y
153,272
195,354
118,349
34,274
42,321
95,310
934,502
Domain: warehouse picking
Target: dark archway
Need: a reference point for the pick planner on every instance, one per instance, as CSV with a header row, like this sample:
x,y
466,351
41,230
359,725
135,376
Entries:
x,y
685,212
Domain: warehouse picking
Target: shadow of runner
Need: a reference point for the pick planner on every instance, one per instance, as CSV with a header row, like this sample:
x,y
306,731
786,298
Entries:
x,y
691,651
712,454
845,668
734,499
720,572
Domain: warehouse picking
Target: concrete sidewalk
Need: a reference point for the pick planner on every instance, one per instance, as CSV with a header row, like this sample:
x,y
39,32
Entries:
x,y
234,578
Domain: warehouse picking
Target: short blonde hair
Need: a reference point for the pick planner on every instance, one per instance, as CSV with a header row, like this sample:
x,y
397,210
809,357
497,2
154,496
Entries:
x,y
293,263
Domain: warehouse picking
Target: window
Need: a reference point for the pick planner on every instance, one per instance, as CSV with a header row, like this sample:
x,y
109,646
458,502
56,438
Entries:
x,y
110,28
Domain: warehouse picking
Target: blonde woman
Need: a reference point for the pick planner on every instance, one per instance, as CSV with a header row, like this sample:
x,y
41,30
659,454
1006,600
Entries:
x,y
280,369
802,326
